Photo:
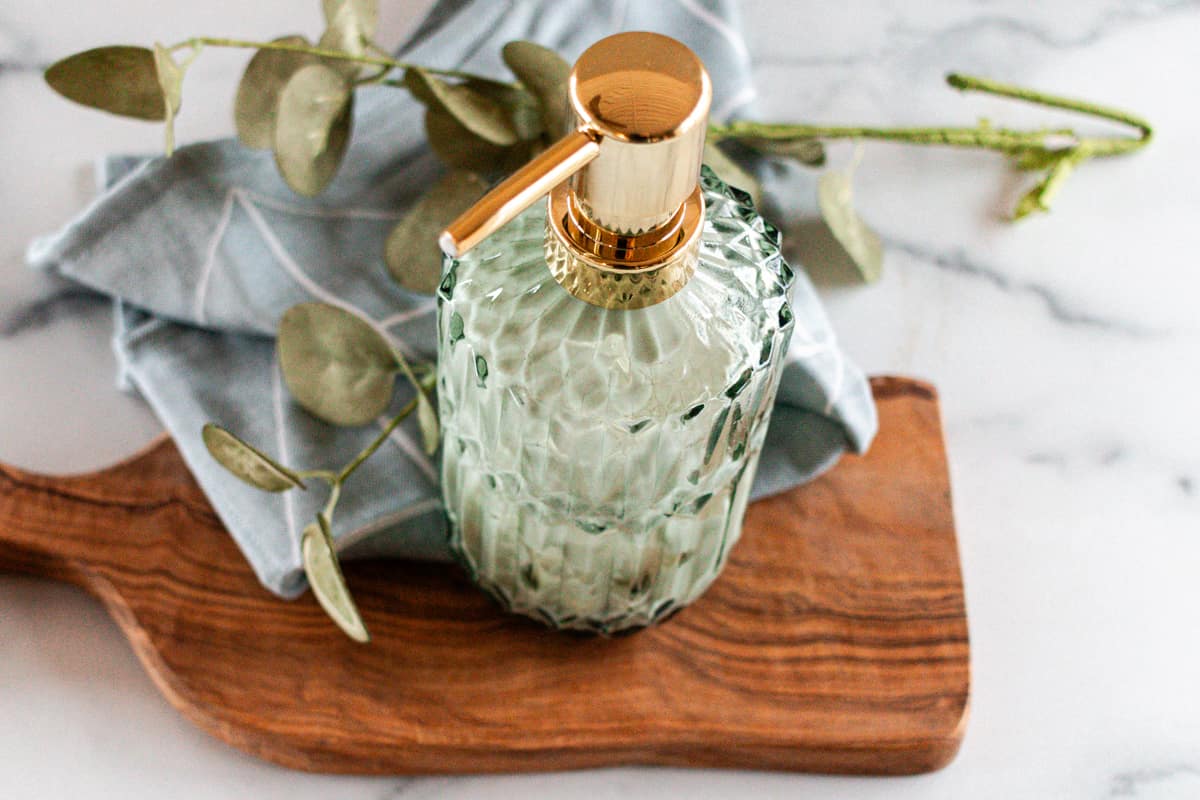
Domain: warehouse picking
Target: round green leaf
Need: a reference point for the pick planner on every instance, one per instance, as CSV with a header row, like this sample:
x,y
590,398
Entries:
x,y
544,73
479,111
517,104
835,196
461,149
412,253
327,582
335,364
312,127
350,24
521,106
344,40
360,15
258,92
121,80
247,463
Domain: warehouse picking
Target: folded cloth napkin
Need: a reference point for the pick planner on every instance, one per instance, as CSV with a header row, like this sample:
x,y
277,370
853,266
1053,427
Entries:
x,y
205,250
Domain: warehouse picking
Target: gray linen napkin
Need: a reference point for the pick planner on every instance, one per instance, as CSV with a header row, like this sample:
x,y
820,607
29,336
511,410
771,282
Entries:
x,y
204,251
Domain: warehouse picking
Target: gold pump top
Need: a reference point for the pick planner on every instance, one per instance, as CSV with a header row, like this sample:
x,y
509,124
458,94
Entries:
x,y
625,207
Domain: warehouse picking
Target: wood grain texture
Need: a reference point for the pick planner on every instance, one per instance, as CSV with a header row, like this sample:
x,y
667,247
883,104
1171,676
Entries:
x,y
835,641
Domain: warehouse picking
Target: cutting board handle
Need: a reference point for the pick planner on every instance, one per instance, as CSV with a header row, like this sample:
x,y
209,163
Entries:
x,y
63,527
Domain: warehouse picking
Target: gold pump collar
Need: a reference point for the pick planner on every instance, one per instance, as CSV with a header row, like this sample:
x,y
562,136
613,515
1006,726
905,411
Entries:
x,y
624,183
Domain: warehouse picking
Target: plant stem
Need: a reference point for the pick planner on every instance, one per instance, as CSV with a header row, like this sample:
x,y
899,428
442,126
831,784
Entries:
x,y
379,61
982,136
1057,150
335,494
370,449
417,384
968,83
326,475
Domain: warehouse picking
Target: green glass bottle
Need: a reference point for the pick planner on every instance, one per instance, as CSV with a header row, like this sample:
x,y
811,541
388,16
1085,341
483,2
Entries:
x,y
608,361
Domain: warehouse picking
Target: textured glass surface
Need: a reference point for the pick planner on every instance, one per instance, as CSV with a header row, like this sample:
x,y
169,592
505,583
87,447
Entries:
x,y
596,463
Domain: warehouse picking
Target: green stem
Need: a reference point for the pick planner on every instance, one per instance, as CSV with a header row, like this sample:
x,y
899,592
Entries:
x,y
1059,150
417,383
335,494
381,73
370,449
968,83
981,136
380,61
326,475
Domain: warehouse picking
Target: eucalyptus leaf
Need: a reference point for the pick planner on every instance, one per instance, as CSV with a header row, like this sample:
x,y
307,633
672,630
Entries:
x,y
360,14
245,462
422,83
544,73
522,107
170,80
120,80
312,127
327,581
807,151
478,111
335,364
461,149
257,100
412,253
835,196
350,25
731,172
344,41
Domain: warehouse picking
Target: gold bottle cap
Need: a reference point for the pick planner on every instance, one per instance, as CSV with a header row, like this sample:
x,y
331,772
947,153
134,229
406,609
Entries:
x,y
625,203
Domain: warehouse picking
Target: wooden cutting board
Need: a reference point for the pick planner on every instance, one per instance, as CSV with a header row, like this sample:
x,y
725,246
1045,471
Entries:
x,y
835,641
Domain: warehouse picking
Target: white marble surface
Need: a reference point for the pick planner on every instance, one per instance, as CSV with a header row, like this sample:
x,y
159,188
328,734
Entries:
x,y
1067,352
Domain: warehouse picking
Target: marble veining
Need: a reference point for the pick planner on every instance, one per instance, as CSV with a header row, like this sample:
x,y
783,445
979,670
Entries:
x,y
1066,351
1057,26
1175,780
1061,309
1082,32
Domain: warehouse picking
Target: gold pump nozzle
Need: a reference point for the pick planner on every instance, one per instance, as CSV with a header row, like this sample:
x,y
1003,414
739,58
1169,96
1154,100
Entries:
x,y
625,208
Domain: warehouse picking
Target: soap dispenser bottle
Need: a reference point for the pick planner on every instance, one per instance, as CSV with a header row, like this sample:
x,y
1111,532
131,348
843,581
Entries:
x,y
608,358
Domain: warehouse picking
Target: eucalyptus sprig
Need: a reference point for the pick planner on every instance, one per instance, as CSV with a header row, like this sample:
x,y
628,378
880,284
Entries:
x,y
296,99
338,367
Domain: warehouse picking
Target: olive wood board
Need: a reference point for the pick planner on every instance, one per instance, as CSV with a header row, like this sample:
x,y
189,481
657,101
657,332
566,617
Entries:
x,y
835,640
